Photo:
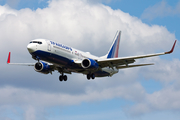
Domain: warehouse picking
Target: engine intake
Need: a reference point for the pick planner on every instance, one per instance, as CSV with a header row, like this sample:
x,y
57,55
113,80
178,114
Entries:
x,y
42,67
89,64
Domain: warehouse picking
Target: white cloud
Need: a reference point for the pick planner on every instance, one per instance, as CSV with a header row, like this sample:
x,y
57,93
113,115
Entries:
x,y
24,96
164,100
161,9
81,25
30,113
167,72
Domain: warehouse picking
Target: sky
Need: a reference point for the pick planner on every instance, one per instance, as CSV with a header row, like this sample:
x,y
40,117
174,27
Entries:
x,y
143,93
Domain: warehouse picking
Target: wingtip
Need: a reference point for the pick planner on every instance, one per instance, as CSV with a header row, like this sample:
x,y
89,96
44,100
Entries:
x,y
172,49
9,56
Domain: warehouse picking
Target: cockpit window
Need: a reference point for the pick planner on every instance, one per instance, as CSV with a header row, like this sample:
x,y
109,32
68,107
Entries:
x,y
36,42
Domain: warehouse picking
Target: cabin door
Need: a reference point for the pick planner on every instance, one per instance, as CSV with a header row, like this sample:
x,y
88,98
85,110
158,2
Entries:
x,y
48,46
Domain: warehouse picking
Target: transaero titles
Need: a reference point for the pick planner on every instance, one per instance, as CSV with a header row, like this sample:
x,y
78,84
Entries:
x,y
61,45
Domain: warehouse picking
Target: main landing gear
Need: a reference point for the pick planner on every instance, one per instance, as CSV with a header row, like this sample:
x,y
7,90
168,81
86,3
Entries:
x,y
89,76
62,77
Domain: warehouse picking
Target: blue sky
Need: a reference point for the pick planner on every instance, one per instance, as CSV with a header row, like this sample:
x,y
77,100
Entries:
x,y
132,94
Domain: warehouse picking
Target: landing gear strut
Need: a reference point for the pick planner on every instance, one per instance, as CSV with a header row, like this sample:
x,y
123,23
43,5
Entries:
x,y
89,76
62,77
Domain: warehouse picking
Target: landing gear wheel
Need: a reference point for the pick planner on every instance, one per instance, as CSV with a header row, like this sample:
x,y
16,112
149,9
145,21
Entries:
x,y
92,76
61,78
88,76
65,78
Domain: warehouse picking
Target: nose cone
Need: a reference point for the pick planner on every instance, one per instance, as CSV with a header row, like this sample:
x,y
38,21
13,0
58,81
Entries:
x,y
31,48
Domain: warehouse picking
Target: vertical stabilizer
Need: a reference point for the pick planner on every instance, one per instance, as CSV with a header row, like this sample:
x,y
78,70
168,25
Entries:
x,y
113,51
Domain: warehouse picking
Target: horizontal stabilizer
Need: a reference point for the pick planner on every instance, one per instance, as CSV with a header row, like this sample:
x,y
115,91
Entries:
x,y
23,64
129,66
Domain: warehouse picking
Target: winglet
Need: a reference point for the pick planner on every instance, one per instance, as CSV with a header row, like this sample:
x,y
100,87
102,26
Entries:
x,y
172,48
9,56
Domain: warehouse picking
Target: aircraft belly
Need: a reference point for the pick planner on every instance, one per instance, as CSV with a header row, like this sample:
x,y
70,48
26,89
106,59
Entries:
x,y
101,74
108,71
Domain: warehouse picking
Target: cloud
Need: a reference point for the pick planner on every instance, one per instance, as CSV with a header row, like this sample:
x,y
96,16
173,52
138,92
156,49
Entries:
x,y
30,113
20,96
99,1
164,100
161,9
167,72
88,27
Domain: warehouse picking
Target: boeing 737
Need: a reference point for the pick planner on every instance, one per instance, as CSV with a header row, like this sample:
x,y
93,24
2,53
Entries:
x,y
53,56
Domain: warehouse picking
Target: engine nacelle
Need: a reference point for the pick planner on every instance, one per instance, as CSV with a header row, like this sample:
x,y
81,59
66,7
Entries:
x,y
89,64
42,67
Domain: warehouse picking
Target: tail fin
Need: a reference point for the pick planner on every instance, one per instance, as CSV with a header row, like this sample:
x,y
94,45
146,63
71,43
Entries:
x,y
113,51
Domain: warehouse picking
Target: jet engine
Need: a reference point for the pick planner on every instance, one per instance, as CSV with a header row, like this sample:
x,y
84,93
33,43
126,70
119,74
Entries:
x,y
89,64
42,67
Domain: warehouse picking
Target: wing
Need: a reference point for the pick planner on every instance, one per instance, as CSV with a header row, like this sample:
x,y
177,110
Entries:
x,y
117,62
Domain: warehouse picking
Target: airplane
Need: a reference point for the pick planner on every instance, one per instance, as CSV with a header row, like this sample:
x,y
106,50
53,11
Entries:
x,y
53,56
